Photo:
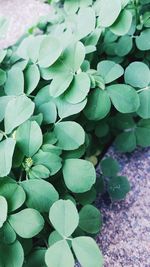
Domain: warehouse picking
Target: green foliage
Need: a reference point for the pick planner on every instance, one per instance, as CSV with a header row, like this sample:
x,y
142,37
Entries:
x,y
66,93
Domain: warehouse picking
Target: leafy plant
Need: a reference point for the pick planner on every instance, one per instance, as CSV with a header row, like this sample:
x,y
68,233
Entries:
x,y
66,93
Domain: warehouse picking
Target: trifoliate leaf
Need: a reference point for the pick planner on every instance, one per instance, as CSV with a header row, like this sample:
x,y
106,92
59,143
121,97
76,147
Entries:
x,y
64,217
39,172
60,83
66,109
124,45
2,77
49,112
15,82
143,40
137,74
79,175
90,219
32,77
118,187
124,98
98,105
126,142
29,138
3,104
49,52
109,12
49,160
38,199
36,258
7,234
70,135
78,89
13,193
87,252
109,70
109,167
11,255
18,110
144,109
85,22
3,210
123,23
27,223
57,254
6,153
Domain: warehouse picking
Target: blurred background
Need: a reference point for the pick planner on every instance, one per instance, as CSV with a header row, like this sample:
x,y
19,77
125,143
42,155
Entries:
x,y
16,16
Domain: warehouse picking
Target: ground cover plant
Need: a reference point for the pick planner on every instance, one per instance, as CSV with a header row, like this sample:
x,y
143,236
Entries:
x,y
78,81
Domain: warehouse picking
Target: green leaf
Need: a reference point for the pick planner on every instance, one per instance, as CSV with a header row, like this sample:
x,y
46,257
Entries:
x,y
90,219
3,210
15,82
71,7
54,237
123,23
71,59
85,22
3,104
51,148
13,193
143,40
2,54
109,70
87,197
64,217
144,109
101,129
109,12
29,138
43,96
143,136
124,98
2,77
49,160
109,167
137,74
60,83
7,234
22,50
70,135
36,258
87,252
57,254
124,45
11,255
27,223
38,199
32,77
78,89
50,50
6,153
66,109
98,105
118,187
49,112
18,110
126,142
38,172
79,175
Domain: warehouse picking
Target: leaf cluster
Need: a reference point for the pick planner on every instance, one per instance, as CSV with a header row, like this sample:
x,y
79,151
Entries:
x,y
76,82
